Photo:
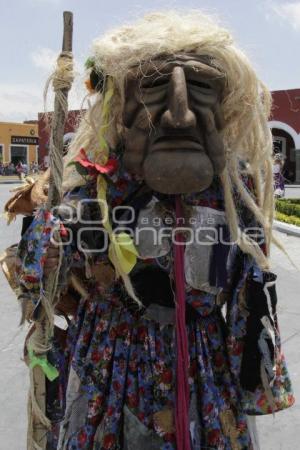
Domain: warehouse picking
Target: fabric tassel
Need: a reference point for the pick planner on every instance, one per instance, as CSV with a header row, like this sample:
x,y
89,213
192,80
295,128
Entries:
x,y
267,388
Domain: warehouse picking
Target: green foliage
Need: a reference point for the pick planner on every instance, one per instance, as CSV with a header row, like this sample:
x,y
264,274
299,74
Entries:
x,y
289,207
293,220
295,201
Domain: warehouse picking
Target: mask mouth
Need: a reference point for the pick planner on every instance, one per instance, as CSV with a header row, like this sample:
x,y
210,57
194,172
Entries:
x,y
178,144
176,135
173,141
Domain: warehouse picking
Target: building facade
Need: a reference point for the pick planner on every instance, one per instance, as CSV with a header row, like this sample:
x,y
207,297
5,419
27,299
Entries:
x,y
19,142
285,126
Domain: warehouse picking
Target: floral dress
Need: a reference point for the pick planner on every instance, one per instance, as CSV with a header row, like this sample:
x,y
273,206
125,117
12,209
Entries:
x,y
120,358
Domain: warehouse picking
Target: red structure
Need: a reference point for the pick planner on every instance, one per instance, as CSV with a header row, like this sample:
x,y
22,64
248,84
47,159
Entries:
x,y
285,126
44,132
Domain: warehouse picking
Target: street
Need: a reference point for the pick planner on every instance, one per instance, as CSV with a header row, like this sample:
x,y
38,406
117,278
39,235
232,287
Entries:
x,y
279,433
13,374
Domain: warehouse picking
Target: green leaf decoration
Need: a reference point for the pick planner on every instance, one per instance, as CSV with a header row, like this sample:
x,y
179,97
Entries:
x,y
72,163
89,63
80,169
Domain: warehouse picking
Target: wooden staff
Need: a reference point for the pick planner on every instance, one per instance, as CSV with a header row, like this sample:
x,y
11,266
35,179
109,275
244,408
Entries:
x,y
38,423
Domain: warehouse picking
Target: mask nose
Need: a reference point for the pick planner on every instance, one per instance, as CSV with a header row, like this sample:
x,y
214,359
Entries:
x,y
178,114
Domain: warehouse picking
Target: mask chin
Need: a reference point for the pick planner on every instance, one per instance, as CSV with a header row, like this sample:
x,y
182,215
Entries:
x,y
178,172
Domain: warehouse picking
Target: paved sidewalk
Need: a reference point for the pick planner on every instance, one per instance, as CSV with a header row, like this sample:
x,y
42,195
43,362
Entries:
x,y
14,179
13,373
8,179
281,432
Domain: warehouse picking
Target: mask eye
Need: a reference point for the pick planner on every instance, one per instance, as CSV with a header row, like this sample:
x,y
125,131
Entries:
x,y
97,80
200,84
155,82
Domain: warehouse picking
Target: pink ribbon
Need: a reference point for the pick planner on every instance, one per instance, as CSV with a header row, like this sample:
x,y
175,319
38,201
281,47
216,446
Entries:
x,y
183,392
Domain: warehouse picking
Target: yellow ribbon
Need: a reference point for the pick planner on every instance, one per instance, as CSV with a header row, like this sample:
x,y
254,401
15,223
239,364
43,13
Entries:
x,y
105,113
49,370
122,251
123,247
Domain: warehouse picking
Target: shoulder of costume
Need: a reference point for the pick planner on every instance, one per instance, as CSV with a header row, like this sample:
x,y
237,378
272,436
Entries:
x,y
27,197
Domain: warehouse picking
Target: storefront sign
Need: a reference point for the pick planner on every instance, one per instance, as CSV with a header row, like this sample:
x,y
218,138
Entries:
x,y
25,140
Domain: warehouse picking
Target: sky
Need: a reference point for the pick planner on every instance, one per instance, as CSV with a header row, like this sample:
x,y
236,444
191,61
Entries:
x,y
31,37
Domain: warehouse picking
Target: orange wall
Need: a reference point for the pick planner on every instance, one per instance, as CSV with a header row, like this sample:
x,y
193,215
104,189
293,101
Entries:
x,y
7,130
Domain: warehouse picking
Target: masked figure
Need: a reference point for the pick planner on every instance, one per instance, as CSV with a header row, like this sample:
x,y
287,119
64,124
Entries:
x,y
171,335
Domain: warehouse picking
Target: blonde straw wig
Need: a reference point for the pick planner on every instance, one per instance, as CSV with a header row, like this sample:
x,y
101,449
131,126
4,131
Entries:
x,y
245,105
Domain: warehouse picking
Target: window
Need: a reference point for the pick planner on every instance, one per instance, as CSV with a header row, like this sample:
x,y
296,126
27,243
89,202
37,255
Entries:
x,y
18,153
1,152
293,155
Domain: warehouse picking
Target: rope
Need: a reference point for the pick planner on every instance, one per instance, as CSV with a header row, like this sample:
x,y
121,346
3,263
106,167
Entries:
x,y
63,76
61,81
